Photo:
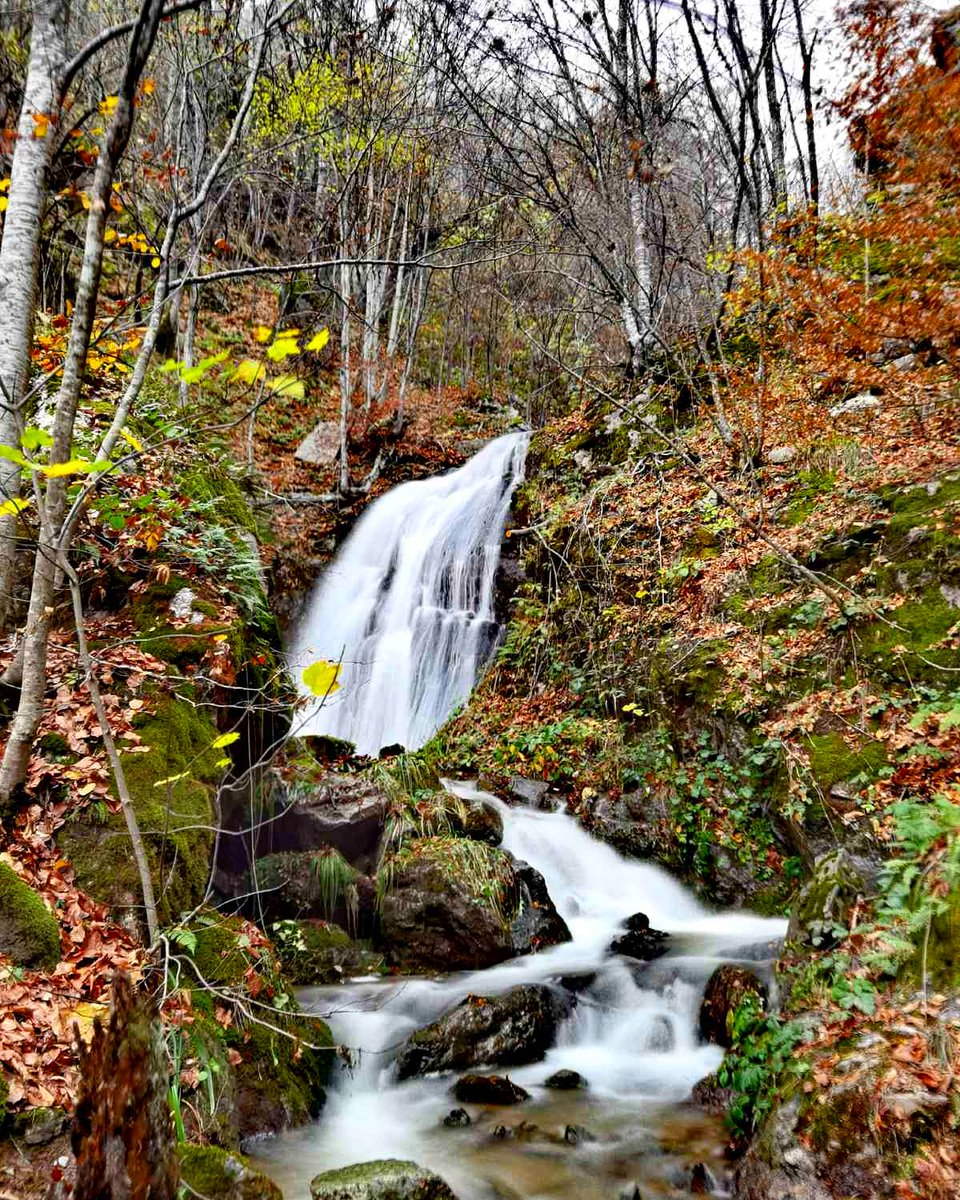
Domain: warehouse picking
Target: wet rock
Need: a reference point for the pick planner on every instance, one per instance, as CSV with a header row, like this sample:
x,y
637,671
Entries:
x,y
457,1118
346,812
292,885
436,916
533,793
218,1174
630,1192
702,1181
709,1095
537,923
574,1135
726,989
37,1126
565,1081
640,941
384,1179
578,983
778,1164
483,823
518,1026
821,911
489,1089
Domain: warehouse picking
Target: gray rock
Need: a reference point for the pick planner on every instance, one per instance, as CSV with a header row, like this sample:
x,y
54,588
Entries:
x,y
531,792
321,445
489,1089
726,989
860,403
951,594
347,812
780,455
457,1118
565,1081
518,1026
906,362
574,1135
384,1179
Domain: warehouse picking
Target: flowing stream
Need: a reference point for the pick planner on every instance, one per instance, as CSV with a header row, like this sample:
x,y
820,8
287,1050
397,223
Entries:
x,y
632,1035
408,604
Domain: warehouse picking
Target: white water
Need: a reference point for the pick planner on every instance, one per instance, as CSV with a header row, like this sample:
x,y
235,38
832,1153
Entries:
x,y
408,604
632,1035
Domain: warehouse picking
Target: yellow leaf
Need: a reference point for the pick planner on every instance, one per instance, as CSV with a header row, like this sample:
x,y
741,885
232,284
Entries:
x,y
41,123
149,87
287,385
3,204
85,1014
248,371
110,235
319,340
155,261
107,106
131,440
282,348
5,184
9,507
263,333
172,779
322,677
222,762
225,739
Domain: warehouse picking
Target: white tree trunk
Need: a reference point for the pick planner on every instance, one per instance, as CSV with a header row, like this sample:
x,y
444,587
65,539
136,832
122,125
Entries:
x,y
19,252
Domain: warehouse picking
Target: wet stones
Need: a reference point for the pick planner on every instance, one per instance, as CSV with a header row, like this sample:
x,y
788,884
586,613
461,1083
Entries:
x,y
383,1179
565,1081
457,1118
489,1089
726,989
640,941
518,1026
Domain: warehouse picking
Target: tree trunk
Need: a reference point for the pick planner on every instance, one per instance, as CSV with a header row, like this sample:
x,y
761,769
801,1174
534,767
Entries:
x,y
19,253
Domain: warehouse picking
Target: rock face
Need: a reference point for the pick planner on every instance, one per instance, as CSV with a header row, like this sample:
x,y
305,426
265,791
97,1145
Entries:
x,y
483,823
29,933
384,1179
489,1089
516,1027
825,902
640,941
450,903
346,812
726,988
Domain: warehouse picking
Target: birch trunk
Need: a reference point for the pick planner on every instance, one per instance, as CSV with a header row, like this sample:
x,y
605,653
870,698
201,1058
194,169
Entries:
x,y
19,254
23,730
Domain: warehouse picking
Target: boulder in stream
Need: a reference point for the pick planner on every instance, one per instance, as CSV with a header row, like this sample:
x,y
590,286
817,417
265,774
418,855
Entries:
x,y
518,1026
639,940
383,1179
489,1089
450,903
565,1081
726,989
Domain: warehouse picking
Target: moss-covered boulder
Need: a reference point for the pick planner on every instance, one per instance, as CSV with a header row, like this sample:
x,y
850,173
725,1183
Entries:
x,y
317,883
171,786
449,903
823,906
384,1179
29,933
317,952
219,1174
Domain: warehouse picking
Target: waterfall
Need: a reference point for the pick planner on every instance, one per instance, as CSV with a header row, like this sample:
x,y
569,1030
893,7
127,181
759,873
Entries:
x,y
407,606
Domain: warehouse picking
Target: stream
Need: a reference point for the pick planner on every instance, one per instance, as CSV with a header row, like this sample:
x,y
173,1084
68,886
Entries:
x,y
632,1035
408,606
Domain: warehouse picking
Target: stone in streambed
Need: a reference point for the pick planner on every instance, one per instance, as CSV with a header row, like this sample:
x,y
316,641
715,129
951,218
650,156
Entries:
x,y
457,1118
565,1081
489,1089
640,941
383,1179
518,1026
726,989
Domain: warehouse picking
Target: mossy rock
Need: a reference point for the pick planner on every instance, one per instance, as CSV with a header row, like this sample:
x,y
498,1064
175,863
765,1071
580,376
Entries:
x,y
176,819
4,1096
29,933
833,761
213,487
317,952
383,1179
823,906
179,644
221,949
905,647
219,1174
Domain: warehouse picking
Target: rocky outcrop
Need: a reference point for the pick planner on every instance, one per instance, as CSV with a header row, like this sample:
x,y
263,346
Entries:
x,y
489,1089
518,1026
384,1179
726,990
823,907
29,933
450,903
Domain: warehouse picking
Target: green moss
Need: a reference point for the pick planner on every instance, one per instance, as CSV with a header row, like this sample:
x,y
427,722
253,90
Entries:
x,y
221,953
384,1179
314,952
905,645
832,761
690,671
766,578
483,872
54,745
219,1174
176,818
212,486
29,932
178,645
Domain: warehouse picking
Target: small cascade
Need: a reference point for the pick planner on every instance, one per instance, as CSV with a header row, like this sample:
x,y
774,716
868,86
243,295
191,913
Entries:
x,y
632,1035
407,606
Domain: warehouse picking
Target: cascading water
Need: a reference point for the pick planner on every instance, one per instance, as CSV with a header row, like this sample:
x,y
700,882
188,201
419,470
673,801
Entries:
x,y
632,1035
408,604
